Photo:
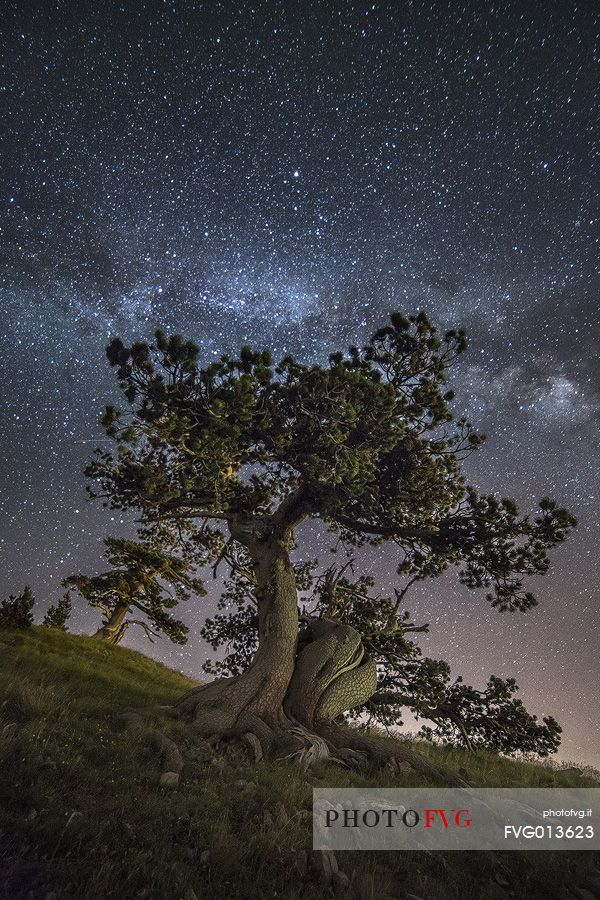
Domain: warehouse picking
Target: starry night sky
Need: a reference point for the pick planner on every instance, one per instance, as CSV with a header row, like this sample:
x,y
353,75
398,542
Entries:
x,y
286,173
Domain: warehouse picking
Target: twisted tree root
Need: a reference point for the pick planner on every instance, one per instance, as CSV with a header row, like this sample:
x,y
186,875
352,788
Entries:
x,y
355,750
313,748
251,740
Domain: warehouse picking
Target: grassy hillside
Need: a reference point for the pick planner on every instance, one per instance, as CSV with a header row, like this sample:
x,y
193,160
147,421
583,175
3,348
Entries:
x,y
83,813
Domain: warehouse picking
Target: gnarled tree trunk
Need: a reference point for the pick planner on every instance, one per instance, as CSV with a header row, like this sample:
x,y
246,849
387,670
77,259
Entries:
x,y
308,683
114,628
253,701
332,673
294,688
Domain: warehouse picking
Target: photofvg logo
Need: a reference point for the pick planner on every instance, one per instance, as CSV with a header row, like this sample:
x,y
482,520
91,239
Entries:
x,y
410,818
456,819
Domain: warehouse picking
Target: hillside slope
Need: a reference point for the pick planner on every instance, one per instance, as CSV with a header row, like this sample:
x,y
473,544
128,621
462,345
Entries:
x,y
83,813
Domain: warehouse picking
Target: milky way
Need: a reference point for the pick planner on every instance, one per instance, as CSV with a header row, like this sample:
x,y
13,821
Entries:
x,y
287,174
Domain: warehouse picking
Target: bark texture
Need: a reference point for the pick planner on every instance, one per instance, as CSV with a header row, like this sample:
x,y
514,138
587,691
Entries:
x,y
332,673
114,629
253,701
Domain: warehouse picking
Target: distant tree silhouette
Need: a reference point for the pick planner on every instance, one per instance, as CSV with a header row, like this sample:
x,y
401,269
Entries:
x,y
16,612
57,616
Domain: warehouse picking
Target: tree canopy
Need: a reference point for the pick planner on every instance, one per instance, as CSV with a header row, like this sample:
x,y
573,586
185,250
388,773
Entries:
x,y
365,442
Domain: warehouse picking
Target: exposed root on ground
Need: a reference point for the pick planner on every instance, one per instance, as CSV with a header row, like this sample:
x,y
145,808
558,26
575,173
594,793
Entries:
x,y
343,745
171,760
380,752
255,745
224,714
313,748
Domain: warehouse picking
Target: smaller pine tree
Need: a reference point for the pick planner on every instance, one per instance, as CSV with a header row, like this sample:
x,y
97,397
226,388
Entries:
x,y
57,616
16,611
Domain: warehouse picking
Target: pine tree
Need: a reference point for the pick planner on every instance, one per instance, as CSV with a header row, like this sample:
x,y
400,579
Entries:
x,y
16,611
57,616
231,458
142,579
